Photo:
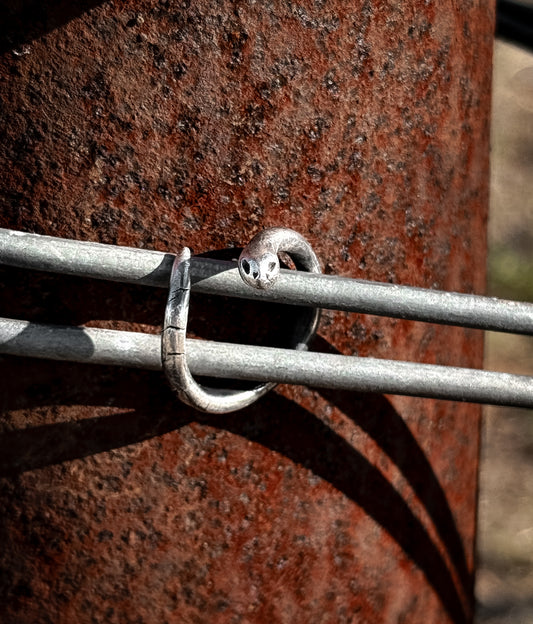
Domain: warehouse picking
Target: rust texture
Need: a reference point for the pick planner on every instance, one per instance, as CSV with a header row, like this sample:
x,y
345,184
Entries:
x,y
361,124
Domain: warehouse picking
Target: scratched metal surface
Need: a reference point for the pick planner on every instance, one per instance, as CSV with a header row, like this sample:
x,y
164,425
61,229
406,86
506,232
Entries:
x,y
363,125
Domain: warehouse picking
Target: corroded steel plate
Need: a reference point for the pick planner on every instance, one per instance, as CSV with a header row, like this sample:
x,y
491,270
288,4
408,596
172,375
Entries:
x,y
363,125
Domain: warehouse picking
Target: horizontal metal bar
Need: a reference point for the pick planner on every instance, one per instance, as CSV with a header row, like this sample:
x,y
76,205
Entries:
x,y
101,346
85,259
152,268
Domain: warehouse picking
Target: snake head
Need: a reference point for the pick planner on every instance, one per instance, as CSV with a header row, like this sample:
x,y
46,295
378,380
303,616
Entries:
x,y
259,272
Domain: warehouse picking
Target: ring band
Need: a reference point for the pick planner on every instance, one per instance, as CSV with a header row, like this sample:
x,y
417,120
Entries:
x,y
173,348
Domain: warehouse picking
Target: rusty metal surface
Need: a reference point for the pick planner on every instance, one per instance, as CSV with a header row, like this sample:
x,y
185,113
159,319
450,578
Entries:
x,y
363,125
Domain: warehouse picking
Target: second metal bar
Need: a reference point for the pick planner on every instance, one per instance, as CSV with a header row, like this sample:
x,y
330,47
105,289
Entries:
x,y
320,370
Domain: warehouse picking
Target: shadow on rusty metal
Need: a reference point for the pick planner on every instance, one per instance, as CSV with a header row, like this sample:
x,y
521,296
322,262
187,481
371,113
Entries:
x,y
393,436
302,438
22,22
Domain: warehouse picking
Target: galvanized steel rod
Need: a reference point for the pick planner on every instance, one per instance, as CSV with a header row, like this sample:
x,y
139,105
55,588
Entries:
x,y
231,361
152,268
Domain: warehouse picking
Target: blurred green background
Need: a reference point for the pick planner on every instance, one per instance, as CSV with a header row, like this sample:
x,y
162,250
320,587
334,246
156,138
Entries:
x,y
504,587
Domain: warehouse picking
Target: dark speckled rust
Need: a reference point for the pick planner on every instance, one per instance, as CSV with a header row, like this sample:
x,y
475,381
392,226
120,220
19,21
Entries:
x,y
363,125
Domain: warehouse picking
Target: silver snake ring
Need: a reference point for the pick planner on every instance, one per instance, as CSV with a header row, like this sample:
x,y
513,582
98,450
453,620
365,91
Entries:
x,y
259,266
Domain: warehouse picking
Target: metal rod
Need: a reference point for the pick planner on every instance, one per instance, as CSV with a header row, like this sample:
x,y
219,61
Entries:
x,y
101,346
152,268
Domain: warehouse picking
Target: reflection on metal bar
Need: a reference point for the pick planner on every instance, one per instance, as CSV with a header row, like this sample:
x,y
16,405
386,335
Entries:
x,y
101,346
152,268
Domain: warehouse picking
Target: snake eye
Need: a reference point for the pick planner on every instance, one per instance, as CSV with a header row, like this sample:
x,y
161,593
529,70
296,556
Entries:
x,y
271,266
246,266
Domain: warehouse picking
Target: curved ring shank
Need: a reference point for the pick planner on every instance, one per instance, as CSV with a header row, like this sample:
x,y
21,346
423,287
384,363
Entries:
x,y
173,351
173,339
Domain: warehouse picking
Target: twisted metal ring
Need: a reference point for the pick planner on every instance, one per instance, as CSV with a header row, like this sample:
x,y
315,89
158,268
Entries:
x,y
173,339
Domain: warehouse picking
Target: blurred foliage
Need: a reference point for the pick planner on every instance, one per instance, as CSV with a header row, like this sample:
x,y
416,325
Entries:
x,y
510,273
